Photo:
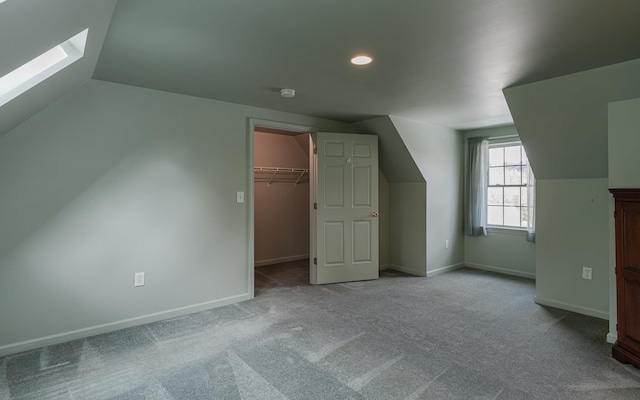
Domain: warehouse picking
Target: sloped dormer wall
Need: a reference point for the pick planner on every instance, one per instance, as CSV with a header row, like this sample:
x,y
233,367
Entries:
x,y
403,223
423,164
437,152
562,123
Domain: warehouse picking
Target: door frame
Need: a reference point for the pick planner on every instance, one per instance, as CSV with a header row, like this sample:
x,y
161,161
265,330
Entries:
x,y
252,124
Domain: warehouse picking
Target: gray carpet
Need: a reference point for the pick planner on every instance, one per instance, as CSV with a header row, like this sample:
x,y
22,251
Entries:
x,y
461,335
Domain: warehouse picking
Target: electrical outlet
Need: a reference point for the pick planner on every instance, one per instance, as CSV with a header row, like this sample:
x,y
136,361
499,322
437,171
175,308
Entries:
x,y
139,279
446,244
586,273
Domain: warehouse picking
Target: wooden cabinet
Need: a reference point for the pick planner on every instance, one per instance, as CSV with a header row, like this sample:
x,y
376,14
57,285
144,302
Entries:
x,y
627,215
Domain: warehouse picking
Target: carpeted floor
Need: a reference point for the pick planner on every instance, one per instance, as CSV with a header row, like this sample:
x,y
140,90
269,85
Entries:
x,y
465,334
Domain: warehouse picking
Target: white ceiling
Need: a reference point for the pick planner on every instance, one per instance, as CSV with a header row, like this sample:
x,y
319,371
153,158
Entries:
x,y
444,62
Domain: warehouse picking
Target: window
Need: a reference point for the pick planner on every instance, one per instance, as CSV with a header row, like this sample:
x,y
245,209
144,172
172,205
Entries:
x,y
42,67
507,190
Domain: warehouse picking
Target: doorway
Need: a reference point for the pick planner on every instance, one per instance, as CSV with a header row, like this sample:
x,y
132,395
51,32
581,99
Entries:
x,y
343,247
281,209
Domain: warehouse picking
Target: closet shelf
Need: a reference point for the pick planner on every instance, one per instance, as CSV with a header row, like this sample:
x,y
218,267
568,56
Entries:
x,y
280,174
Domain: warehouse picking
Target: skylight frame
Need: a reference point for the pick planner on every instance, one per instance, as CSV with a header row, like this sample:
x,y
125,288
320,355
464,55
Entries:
x,y
74,49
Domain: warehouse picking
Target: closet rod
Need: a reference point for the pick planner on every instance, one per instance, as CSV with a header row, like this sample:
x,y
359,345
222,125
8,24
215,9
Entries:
x,y
286,174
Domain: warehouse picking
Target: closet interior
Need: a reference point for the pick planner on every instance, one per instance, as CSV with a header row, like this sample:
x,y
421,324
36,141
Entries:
x,y
281,196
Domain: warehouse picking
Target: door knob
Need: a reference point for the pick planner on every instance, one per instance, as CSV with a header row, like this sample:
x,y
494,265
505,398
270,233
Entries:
x,y
374,214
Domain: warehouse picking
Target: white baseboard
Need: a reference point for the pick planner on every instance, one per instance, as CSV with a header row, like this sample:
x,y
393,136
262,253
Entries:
x,y
571,307
445,269
407,270
261,263
114,326
612,337
386,266
499,270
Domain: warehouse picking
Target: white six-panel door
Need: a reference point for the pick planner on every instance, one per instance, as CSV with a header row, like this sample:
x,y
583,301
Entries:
x,y
346,218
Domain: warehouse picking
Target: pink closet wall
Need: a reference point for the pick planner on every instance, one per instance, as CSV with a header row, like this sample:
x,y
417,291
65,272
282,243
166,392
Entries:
x,y
281,224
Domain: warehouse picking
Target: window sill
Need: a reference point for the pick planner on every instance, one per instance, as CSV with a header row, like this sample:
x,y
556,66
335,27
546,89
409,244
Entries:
x,y
507,230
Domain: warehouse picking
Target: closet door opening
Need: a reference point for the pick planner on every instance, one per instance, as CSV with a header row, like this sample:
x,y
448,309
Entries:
x,y
281,208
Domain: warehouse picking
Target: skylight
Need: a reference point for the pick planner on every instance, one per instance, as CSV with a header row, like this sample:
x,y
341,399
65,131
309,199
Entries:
x,y
42,67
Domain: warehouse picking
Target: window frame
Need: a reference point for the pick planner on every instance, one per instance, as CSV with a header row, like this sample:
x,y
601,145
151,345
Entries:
x,y
502,143
35,71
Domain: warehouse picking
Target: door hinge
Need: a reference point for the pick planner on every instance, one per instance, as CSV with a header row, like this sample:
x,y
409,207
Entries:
x,y
315,261
315,206
315,150
616,327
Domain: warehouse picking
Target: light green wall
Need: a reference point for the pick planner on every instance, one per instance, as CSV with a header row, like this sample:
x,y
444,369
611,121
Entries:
x,y
624,165
572,231
437,151
504,250
407,227
624,144
383,201
111,180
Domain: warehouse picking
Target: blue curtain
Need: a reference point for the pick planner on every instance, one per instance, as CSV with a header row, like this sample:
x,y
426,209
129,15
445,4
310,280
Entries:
x,y
476,208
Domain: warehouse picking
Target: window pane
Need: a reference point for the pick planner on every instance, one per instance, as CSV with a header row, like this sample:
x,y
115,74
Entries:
x,y
494,215
507,192
523,216
496,157
512,216
513,175
496,176
495,196
512,155
512,196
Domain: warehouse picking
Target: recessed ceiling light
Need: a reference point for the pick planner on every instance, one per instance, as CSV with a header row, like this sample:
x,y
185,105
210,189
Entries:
x,y
287,93
361,60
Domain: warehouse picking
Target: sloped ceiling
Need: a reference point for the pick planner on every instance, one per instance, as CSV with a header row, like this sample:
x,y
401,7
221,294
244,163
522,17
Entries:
x,y
440,62
30,28
562,122
395,160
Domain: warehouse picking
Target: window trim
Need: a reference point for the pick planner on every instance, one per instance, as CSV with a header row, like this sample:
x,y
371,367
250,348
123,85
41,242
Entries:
x,y
73,47
505,142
